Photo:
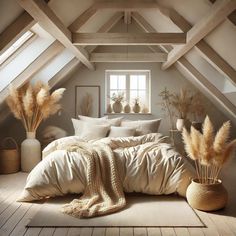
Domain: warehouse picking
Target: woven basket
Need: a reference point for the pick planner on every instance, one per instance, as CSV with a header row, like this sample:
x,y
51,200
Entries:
x,y
9,157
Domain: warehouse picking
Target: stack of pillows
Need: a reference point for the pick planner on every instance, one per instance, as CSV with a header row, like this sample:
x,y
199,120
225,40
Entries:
x,y
88,128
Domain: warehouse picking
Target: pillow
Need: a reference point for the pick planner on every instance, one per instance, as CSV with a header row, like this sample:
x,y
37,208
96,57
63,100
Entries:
x,y
102,121
121,131
143,126
88,131
87,118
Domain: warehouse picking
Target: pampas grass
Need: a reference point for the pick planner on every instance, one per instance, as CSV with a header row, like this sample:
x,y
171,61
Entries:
x,y
209,151
86,105
33,104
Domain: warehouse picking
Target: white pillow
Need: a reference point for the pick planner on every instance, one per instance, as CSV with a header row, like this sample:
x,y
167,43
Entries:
x,y
88,131
143,126
102,121
121,131
88,119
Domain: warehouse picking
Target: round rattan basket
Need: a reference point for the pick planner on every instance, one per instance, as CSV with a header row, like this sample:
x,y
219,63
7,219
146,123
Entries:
x,y
9,156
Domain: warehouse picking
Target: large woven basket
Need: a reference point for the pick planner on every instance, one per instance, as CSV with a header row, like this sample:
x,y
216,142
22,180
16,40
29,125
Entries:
x,y
9,156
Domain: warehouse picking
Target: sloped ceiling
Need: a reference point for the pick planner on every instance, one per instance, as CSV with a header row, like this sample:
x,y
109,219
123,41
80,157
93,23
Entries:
x,y
221,39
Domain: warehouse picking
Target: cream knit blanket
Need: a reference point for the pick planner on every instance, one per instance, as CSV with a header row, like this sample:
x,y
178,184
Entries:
x,y
103,192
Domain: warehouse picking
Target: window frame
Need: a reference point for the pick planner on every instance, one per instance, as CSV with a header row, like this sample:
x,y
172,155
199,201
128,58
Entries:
x,y
128,73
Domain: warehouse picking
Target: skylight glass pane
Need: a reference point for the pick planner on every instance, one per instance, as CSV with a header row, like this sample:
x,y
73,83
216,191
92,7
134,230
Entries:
x,y
15,46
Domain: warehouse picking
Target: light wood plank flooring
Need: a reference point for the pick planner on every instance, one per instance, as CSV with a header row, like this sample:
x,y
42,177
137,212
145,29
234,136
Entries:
x,y
14,216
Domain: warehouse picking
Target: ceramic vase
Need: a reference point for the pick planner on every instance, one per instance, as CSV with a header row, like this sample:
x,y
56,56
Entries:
x,y
180,124
207,197
30,152
117,107
109,108
136,108
127,108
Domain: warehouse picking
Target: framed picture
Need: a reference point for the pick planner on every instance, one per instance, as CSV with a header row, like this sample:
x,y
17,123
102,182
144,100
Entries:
x,y
87,100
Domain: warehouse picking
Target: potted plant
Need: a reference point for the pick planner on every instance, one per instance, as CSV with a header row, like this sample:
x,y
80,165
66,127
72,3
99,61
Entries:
x,y
181,102
33,105
197,110
117,99
136,107
209,152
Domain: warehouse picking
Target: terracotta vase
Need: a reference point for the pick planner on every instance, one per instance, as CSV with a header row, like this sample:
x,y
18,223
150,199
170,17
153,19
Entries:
x,y
117,107
207,197
127,108
30,152
136,108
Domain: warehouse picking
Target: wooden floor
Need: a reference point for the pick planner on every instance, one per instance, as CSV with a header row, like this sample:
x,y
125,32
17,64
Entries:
x,y
14,216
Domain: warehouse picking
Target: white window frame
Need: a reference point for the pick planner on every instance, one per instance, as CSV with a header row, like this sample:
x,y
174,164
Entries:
x,y
127,73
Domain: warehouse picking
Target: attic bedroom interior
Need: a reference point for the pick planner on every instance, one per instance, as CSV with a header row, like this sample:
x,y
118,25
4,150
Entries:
x,y
117,117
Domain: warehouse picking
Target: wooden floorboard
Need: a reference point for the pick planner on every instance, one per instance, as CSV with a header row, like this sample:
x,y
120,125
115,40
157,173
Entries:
x,y
14,216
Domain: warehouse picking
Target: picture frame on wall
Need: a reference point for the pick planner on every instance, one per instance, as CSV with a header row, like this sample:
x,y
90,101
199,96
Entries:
x,y
87,100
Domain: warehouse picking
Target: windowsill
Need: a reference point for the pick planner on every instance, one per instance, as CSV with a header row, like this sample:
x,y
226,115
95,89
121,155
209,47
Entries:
x,y
122,113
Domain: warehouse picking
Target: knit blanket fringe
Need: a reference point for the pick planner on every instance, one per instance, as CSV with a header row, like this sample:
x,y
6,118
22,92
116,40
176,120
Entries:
x,y
103,192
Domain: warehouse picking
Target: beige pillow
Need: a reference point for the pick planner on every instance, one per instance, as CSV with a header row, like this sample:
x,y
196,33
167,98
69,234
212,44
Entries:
x,y
143,126
88,119
88,131
121,131
102,121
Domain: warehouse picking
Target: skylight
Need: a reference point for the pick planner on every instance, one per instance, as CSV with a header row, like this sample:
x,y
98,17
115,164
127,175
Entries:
x,y
12,49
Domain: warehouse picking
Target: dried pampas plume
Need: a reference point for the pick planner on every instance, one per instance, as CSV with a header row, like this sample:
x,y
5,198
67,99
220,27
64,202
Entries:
x,y
86,105
33,104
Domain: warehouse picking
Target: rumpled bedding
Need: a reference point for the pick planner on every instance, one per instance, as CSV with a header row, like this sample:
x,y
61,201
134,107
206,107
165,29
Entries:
x,y
146,164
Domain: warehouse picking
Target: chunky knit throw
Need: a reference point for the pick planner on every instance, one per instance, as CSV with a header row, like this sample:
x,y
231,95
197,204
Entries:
x,y
103,192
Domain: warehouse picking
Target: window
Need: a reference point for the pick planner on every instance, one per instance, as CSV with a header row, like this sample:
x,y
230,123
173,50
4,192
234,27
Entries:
x,y
15,46
132,84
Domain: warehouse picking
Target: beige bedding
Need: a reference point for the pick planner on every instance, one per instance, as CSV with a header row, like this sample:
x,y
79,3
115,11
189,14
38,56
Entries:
x,y
145,164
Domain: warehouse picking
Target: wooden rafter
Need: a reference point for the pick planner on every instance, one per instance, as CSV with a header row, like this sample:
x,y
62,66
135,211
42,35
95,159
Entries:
x,y
15,30
208,86
218,12
185,64
82,19
128,57
45,57
40,11
127,17
205,49
128,38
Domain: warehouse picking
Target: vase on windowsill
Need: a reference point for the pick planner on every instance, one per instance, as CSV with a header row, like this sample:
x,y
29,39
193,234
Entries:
x,y
30,152
117,107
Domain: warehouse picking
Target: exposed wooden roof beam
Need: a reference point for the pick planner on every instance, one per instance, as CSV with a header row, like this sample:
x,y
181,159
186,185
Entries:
x,y
231,17
128,38
40,11
15,30
52,51
206,51
185,64
218,12
128,57
127,17
82,19
125,5
208,86
60,75
106,27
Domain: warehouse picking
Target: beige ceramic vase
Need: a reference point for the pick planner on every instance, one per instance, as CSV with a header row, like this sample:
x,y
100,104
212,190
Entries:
x,y
117,107
136,108
127,108
109,108
207,197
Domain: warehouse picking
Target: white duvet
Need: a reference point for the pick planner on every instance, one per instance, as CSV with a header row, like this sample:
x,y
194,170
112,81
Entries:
x,y
146,164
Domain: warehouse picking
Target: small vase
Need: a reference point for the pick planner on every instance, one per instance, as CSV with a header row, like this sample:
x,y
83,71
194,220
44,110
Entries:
x,y
117,107
145,110
207,197
109,108
180,124
136,108
127,108
30,152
